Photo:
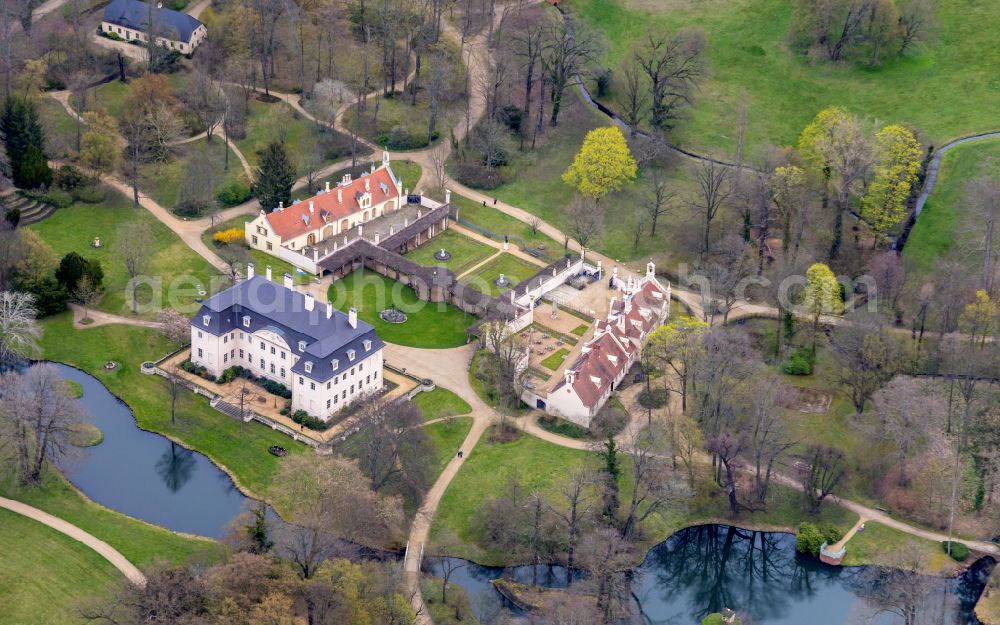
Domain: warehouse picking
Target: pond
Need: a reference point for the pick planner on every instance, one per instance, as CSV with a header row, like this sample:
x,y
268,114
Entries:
x,y
145,475
705,568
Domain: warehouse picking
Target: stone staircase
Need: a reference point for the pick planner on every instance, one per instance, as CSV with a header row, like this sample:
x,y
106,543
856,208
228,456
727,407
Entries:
x,y
32,211
229,409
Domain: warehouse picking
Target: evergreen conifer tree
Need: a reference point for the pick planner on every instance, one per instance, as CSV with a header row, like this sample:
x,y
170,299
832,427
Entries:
x,y
274,176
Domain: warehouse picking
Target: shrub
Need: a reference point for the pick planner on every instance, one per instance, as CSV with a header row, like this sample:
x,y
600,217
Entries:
x,y
959,551
233,235
712,619
12,216
478,176
230,374
69,178
603,81
89,195
655,399
304,419
58,198
275,388
511,117
800,362
809,539
831,533
609,420
233,193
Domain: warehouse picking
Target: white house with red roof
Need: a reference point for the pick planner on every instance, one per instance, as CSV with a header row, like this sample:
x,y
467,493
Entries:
x,y
616,345
329,213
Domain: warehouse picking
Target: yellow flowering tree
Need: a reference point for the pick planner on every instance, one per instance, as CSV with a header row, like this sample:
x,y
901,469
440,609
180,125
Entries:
x,y
979,318
225,237
898,157
603,164
822,295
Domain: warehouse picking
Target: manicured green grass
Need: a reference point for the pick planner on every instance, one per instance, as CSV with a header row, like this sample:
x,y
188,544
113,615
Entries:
x,y
465,252
946,89
260,258
428,325
396,116
268,122
60,128
172,263
580,330
408,173
75,388
554,360
441,403
512,267
143,544
878,543
938,232
45,575
163,181
199,426
110,96
539,466
447,437
502,224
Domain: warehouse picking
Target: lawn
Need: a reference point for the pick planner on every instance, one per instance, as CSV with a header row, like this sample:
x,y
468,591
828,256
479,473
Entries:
x,y
533,181
45,575
199,426
580,330
554,360
441,403
500,224
428,325
260,258
938,231
447,437
513,269
946,88
60,128
465,252
163,181
268,122
143,544
539,466
400,126
110,96
174,269
878,543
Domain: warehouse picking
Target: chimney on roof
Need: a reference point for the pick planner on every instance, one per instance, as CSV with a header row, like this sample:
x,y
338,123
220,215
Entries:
x,y
327,186
329,310
347,179
340,195
373,167
312,207
288,280
368,183
268,272
310,301
352,316
447,196
249,270
570,375
650,270
281,205
385,158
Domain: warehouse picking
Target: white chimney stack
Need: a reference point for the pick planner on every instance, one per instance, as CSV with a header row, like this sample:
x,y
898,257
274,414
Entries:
x,y
447,196
249,270
288,280
385,158
352,316
368,183
340,195
329,310
310,301
312,207
327,186
268,272
281,205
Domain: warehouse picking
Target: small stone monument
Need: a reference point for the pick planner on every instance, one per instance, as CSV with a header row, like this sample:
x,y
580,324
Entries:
x,y
442,254
97,242
502,281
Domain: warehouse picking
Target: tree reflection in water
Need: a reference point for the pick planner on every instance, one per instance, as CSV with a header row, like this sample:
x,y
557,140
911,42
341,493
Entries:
x,y
707,568
175,467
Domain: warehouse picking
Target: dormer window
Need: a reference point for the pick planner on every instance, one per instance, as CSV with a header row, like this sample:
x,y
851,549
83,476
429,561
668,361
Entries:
x,y
334,364
368,345
596,380
308,366
350,354
246,321
206,319
302,346
613,359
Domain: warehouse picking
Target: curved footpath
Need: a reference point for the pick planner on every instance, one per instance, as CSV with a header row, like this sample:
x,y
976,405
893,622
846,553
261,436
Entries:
x,y
105,550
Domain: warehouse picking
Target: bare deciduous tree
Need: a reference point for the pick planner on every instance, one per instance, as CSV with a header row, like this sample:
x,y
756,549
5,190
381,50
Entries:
x,y
19,331
586,220
714,188
672,64
134,245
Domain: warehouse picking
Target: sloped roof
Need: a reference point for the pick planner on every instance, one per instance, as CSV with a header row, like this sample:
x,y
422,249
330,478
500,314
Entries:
x,y
166,22
297,219
273,307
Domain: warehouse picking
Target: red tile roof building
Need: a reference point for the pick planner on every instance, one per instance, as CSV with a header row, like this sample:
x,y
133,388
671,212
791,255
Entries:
x,y
616,345
329,213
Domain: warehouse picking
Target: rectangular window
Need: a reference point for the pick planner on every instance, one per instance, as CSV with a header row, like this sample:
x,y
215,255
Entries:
x,y
352,389
301,381
269,248
225,339
282,355
282,373
262,344
344,395
254,239
261,364
328,404
312,386
272,368
225,358
199,333
241,355
273,351
361,367
199,352
368,379
327,386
